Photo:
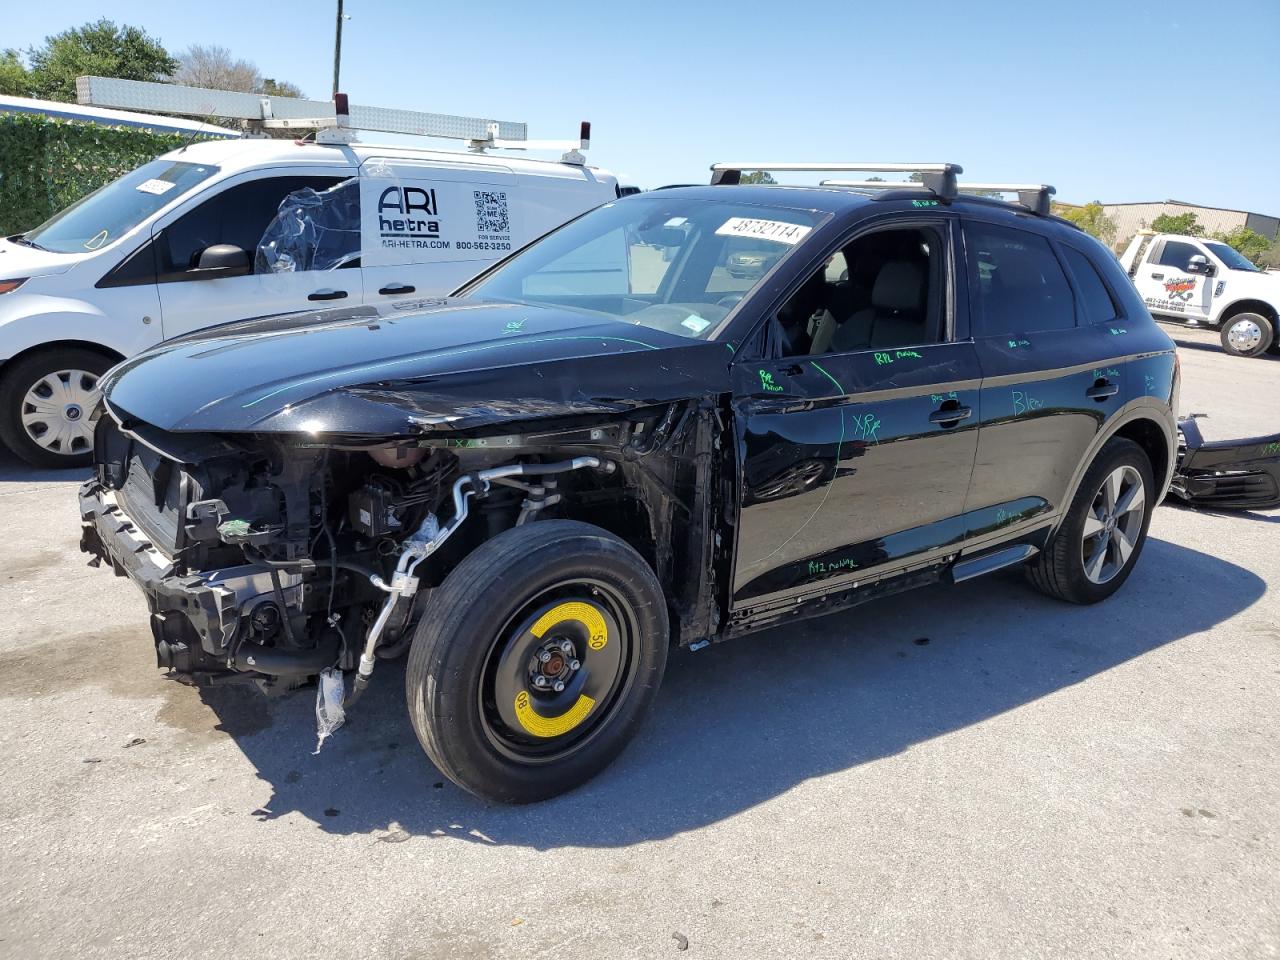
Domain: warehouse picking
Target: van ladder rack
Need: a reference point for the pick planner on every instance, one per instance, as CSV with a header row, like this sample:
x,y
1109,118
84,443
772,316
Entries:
x,y
938,177
335,121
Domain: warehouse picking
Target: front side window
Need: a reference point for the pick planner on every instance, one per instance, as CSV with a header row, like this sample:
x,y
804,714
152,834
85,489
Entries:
x,y
1177,254
238,215
884,290
1098,305
1016,284
110,212
670,263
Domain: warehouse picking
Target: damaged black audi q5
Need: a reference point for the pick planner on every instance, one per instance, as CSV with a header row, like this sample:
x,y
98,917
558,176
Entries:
x,y
615,441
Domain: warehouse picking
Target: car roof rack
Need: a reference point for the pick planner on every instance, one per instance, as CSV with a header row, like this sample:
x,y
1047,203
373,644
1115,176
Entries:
x,y
937,177
1036,197
334,122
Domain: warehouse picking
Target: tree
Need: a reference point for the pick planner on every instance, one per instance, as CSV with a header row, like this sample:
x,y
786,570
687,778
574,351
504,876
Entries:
x,y
213,68
1270,257
15,81
1251,244
758,176
280,88
1093,220
1183,223
99,49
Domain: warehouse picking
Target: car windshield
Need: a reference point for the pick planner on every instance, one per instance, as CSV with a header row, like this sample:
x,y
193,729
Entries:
x,y
109,212
1231,257
666,262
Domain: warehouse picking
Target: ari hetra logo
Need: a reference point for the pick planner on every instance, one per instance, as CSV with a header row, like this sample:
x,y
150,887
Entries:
x,y
408,201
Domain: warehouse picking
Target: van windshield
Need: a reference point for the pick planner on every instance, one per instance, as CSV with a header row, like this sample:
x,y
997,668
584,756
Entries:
x,y
109,212
667,262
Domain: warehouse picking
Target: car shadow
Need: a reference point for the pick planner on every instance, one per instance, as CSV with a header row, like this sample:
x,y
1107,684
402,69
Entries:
x,y
13,470
737,724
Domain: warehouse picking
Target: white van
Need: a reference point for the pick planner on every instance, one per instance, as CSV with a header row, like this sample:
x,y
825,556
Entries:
x,y
175,246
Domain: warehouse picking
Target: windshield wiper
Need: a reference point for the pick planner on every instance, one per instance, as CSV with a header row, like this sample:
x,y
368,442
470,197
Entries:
x,y
22,239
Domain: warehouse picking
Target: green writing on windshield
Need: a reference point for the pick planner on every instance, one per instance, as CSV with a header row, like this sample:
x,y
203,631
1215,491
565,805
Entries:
x,y
1270,449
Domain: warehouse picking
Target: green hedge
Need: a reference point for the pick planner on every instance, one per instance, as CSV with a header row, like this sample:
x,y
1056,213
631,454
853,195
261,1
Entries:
x,y
47,164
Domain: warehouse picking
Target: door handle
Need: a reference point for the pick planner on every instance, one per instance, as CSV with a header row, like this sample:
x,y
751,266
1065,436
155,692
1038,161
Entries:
x,y
1102,390
395,289
951,415
328,295
1157,276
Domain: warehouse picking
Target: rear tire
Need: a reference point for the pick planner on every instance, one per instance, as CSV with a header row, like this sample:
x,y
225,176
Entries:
x,y
1247,334
1100,539
45,402
488,651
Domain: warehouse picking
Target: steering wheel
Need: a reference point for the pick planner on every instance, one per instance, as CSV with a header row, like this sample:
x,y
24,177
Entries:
x,y
729,301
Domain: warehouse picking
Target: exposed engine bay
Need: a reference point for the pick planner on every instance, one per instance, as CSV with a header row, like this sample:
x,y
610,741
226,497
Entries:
x,y
270,558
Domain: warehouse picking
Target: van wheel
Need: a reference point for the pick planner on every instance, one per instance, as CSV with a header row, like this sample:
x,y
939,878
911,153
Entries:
x,y
536,660
1247,334
45,403
1100,539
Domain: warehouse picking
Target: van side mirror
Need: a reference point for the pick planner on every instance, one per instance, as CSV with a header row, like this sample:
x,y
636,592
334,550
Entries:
x,y
222,260
1200,264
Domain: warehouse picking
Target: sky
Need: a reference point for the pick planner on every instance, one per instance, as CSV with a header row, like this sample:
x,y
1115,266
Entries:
x,y
1114,101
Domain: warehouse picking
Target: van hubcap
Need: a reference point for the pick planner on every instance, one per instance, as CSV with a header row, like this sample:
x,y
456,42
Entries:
x,y
56,409
1244,335
1113,524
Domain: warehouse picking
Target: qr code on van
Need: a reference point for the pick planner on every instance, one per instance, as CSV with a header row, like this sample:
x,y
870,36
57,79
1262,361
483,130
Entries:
x,y
491,212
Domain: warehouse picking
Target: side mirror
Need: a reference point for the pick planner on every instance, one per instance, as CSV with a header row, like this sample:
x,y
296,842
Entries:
x,y
222,260
1200,264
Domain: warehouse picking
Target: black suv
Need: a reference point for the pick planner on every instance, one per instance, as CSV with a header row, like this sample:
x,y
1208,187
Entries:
x,y
609,443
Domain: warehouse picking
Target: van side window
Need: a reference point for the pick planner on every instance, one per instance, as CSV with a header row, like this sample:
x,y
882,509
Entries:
x,y
1099,307
237,215
885,289
1016,284
1177,254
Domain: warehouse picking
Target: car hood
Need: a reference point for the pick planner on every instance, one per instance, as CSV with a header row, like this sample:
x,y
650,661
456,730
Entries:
x,y
428,366
19,261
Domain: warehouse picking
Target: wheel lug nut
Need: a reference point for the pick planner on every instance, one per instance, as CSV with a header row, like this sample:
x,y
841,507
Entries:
x,y
539,681
566,646
544,656
559,686
574,664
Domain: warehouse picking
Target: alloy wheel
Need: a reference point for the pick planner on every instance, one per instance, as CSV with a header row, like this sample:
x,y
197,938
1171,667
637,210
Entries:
x,y
1113,524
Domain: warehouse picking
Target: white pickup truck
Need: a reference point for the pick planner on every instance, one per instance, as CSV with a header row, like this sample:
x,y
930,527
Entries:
x,y
1201,281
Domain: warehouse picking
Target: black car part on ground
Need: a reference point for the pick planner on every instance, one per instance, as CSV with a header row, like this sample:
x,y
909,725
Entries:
x,y
1227,474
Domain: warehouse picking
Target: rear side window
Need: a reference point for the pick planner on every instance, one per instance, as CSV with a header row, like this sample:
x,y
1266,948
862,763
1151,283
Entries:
x,y
1016,284
1177,254
1098,305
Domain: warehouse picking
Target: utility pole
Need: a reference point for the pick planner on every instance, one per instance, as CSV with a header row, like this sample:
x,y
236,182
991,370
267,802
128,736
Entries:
x,y
337,47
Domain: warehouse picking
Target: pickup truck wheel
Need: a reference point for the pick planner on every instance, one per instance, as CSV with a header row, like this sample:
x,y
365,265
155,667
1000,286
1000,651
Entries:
x,y
536,660
45,403
1102,535
1247,334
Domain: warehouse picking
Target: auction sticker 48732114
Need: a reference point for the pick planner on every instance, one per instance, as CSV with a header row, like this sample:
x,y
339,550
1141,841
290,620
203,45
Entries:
x,y
778,231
